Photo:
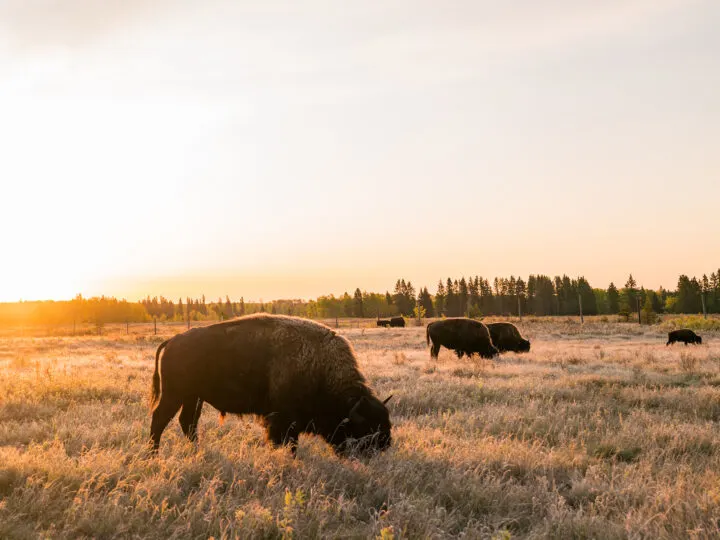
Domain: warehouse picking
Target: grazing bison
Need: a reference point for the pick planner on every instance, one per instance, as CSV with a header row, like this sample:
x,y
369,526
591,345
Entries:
x,y
296,375
383,322
685,335
506,337
464,336
398,322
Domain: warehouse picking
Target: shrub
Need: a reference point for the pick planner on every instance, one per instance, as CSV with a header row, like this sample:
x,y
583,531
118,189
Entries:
x,y
694,322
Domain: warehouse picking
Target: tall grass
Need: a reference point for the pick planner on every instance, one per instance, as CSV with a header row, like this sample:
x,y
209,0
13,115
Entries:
x,y
598,432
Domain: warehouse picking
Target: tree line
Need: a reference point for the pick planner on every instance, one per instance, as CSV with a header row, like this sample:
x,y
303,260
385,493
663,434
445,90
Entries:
x,y
474,296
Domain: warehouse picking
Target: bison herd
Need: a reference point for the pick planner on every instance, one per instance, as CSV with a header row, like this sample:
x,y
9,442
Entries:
x,y
299,376
394,322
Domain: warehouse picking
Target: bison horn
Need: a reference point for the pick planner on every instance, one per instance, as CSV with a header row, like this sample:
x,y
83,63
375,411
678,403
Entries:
x,y
387,399
354,415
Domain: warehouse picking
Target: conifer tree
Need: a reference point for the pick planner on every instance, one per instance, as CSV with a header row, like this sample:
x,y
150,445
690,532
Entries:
x,y
426,302
451,304
463,295
474,295
358,310
440,299
613,297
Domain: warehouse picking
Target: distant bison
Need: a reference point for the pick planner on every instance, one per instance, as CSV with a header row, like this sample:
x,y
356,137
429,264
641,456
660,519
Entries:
x,y
685,335
464,336
506,337
397,322
296,375
383,322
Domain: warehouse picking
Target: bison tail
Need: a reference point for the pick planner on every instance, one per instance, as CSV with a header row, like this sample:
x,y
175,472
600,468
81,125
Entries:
x,y
155,395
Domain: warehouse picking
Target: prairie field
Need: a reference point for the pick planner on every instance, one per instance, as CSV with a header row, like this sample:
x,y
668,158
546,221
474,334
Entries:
x,y
601,431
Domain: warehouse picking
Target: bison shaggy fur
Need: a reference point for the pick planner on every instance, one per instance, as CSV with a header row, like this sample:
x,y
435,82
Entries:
x,y
296,375
684,335
464,336
506,337
383,322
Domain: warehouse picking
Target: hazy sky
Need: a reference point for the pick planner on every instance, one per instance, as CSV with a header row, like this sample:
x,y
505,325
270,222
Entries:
x,y
291,149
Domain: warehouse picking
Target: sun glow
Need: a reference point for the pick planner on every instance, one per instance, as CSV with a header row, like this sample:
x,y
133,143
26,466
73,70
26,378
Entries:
x,y
272,158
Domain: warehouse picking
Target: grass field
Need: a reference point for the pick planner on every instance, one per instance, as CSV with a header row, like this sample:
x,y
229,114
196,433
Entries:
x,y
600,431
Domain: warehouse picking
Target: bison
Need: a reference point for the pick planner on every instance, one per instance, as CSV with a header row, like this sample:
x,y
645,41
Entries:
x,y
398,322
685,335
295,374
464,336
506,337
383,322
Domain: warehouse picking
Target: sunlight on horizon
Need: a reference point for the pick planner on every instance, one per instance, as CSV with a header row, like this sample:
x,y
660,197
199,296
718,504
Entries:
x,y
272,151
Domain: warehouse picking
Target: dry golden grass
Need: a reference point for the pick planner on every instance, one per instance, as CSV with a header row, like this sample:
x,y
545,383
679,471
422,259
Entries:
x,y
600,431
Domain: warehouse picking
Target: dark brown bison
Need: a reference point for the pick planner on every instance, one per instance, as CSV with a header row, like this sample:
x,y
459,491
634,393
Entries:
x,y
383,322
464,336
295,374
685,335
397,322
506,337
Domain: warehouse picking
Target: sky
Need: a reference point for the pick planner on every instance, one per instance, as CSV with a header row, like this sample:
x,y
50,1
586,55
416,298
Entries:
x,y
292,149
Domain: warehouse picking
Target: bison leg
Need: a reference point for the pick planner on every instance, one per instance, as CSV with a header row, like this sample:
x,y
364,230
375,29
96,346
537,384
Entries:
x,y
283,431
189,417
163,413
434,350
460,354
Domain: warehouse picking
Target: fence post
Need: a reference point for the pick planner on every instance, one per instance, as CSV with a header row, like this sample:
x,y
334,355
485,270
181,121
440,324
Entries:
x,y
582,319
155,325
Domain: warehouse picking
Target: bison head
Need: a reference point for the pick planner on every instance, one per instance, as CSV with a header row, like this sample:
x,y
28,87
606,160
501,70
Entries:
x,y
366,429
523,345
698,340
